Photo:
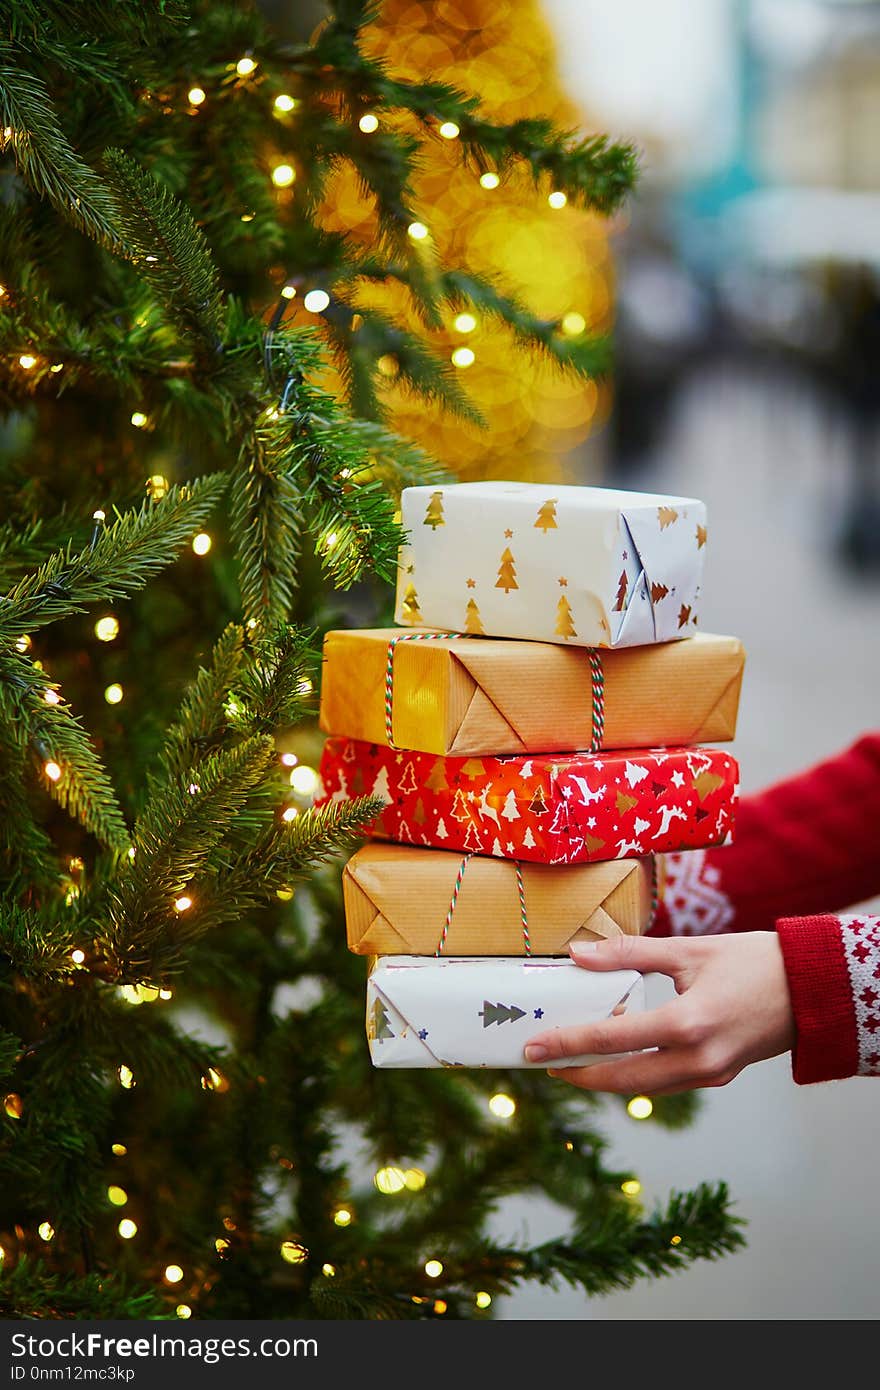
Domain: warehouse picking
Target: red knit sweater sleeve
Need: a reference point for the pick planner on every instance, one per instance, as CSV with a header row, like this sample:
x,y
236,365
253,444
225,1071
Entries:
x,y
803,849
808,845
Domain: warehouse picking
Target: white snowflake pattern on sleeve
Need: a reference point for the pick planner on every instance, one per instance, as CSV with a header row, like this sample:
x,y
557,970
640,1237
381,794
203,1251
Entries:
x,y
861,947
695,904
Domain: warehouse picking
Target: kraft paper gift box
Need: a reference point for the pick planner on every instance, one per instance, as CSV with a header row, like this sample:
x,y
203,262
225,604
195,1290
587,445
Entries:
x,y
422,902
479,1011
469,696
585,566
565,808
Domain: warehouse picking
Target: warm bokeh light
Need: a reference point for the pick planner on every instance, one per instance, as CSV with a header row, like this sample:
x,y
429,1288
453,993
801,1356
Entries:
x,y
433,1268
195,96
283,175
502,1105
483,1300
390,1180
245,66
368,123
449,130
125,1076
183,903
288,292
113,694
27,360
214,1080
464,323
120,1150
202,543
316,301
127,1228
13,1105
183,1310
342,1216
285,103
157,486
139,419
293,1253
640,1107
173,1274
304,780
573,324
463,357
415,1179
52,770
46,1231
51,697
557,199
107,628
328,1271
417,231
631,1187
78,957
489,180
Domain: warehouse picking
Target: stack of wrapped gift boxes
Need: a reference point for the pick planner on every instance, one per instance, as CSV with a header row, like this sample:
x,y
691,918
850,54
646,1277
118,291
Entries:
x,y
535,729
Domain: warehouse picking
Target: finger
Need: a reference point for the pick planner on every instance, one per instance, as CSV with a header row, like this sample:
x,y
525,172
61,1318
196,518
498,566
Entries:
x,y
648,1074
620,1033
647,954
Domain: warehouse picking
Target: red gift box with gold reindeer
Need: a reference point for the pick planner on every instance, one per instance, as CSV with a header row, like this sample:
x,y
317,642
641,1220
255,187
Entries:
x,y
572,808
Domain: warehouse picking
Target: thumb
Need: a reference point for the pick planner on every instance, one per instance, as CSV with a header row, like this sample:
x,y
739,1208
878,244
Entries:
x,y
647,954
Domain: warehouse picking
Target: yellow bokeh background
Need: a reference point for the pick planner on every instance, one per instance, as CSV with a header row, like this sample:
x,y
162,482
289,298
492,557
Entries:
x,y
556,261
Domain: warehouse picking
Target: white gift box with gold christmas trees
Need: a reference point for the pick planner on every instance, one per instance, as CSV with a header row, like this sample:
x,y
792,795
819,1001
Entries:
x,y
585,566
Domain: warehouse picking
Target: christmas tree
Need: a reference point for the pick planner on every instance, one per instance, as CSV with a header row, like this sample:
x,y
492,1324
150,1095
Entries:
x,y
546,520
434,513
564,628
506,572
186,313
473,623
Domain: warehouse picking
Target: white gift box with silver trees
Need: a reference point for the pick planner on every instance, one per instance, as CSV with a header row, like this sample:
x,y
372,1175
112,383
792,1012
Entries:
x,y
480,1011
586,566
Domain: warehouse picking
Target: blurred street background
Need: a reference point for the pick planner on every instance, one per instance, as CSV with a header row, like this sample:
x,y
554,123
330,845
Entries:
x,y
748,349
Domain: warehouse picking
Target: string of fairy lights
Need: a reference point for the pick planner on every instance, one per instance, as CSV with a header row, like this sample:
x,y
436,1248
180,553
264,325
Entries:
x,y
390,1180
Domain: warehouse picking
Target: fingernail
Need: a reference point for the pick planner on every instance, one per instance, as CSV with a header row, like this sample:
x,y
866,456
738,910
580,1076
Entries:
x,y
583,948
536,1052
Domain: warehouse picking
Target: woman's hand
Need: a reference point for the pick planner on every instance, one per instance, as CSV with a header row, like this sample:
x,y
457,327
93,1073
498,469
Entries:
x,y
733,1009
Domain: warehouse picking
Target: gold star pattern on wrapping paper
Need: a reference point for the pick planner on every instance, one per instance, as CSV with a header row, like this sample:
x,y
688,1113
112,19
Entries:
x,y
508,535
410,569
702,535
471,583
666,516
562,582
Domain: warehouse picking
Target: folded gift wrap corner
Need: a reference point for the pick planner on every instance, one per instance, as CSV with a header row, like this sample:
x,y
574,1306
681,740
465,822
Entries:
x,y
475,1011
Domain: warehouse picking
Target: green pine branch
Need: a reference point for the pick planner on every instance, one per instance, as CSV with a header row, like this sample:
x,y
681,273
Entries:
x,y
202,720
32,1291
170,252
135,546
267,524
33,946
46,158
173,840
